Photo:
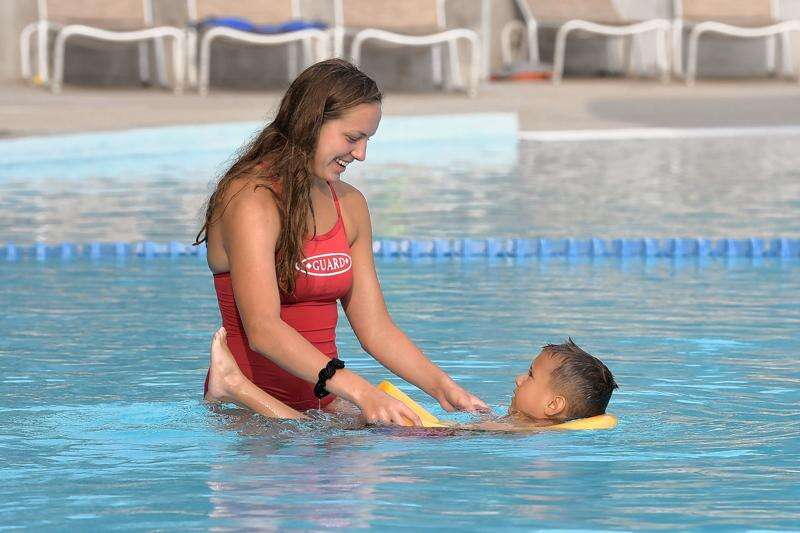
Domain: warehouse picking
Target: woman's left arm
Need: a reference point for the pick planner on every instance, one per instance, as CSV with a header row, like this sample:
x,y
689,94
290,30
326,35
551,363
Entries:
x,y
379,336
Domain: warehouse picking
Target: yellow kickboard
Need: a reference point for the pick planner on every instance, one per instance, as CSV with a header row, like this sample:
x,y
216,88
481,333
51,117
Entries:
x,y
606,421
428,420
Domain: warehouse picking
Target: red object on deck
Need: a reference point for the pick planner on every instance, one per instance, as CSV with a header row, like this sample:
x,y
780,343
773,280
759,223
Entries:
x,y
524,75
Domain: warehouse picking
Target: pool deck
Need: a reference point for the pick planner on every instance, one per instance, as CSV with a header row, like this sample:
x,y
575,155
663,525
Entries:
x,y
575,105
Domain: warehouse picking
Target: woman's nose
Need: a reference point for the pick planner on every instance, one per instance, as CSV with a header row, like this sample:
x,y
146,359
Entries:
x,y
360,151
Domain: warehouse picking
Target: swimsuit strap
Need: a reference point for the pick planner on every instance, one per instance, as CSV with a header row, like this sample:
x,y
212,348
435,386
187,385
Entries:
x,y
335,201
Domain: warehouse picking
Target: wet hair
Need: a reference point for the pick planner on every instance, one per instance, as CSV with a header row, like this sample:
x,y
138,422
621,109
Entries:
x,y
581,378
279,158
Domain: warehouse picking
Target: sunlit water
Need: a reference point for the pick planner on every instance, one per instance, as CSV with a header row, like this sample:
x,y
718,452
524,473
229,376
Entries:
x,y
101,363
153,185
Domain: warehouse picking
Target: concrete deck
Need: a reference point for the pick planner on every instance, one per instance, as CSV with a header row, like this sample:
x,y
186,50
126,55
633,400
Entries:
x,y
577,104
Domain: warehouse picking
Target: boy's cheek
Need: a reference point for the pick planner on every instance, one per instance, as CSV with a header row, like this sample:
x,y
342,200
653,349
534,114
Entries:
x,y
512,407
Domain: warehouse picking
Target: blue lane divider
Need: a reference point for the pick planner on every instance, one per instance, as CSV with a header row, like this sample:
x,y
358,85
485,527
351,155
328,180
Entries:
x,y
464,248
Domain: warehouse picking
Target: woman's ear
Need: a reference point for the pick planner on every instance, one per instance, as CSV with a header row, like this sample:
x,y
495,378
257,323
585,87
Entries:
x,y
556,406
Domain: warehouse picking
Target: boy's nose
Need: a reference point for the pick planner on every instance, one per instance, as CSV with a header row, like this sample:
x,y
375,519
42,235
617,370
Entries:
x,y
519,379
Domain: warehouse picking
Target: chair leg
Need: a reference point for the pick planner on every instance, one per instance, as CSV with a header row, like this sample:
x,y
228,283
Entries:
x,y
355,51
205,67
772,66
662,54
42,52
161,67
639,58
475,67
325,46
291,61
677,48
533,43
628,46
58,62
178,62
558,58
691,57
436,65
338,42
456,77
786,55
321,47
308,59
144,63
25,50
191,58
506,37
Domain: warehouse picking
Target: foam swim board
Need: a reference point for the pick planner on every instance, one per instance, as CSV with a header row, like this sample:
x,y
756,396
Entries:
x,y
427,419
605,421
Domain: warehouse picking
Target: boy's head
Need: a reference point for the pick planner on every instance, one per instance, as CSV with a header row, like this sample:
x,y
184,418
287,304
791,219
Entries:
x,y
563,383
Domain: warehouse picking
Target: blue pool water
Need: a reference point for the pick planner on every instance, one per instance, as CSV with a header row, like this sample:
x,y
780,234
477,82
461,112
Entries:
x,y
101,362
424,177
102,423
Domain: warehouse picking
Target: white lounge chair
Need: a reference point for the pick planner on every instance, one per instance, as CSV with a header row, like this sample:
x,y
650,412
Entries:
x,y
750,19
593,16
407,23
314,41
105,20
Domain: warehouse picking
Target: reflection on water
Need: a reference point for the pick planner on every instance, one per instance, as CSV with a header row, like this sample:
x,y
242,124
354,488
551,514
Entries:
x,y
710,187
666,188
322,481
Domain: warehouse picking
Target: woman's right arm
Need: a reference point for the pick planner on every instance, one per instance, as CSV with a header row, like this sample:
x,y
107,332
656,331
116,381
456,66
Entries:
x,y
249,228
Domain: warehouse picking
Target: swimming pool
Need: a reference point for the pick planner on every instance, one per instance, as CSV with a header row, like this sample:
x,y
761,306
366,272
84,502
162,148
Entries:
x,y
102,361
425,177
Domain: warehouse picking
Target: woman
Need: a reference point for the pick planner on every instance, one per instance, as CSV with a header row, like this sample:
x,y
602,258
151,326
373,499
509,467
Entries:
x,y
287,239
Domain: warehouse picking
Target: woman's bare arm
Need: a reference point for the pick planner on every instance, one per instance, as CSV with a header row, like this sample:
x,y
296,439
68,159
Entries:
x,y
377,332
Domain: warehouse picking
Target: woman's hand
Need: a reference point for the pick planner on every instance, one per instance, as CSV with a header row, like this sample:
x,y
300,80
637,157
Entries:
x,y
453,398
380,408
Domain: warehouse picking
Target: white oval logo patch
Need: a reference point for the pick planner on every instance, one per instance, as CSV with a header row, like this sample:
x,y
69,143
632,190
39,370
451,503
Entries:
x,y
325,264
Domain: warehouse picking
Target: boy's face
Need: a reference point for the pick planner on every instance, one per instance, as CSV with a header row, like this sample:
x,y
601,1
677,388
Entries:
x,y
534,396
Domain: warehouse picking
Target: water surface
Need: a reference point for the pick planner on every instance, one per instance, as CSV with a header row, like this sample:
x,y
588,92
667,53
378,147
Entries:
x,y
101,423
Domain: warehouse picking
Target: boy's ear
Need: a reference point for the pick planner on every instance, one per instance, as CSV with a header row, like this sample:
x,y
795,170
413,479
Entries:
x,y
556,406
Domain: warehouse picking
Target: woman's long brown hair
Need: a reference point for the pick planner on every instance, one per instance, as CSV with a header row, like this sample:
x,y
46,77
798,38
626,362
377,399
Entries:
x,y
286,146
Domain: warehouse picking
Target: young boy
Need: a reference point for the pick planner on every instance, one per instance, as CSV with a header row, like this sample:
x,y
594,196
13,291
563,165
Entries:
x,y
563,383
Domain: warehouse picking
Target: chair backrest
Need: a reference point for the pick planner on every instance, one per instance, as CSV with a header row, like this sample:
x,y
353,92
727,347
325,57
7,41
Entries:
x,y
98,13
558,11
414,16
256,11
741,12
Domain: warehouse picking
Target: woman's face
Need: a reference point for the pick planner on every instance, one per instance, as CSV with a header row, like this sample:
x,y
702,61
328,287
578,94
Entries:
x,y
344,139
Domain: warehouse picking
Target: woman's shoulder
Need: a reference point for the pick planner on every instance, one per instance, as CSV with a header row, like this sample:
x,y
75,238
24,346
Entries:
x,y
349,195
250,193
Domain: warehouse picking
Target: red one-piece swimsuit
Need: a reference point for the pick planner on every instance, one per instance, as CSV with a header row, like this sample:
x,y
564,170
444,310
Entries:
x,y
324,277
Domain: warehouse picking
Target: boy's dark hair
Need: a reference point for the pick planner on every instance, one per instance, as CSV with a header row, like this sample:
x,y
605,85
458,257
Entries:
x,y
582,378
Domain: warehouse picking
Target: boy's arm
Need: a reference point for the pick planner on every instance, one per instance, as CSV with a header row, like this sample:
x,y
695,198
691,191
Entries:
x,y
504,425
